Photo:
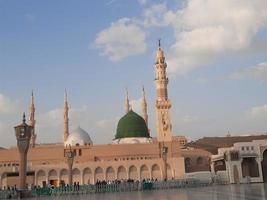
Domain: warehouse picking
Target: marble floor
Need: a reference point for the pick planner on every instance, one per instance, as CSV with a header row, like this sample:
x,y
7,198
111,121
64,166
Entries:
x,y
218,192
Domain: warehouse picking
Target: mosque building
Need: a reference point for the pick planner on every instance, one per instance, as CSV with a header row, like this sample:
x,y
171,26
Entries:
x,y
133,154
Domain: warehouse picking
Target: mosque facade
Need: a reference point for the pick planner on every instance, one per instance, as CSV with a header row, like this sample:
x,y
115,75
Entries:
x,y
133,154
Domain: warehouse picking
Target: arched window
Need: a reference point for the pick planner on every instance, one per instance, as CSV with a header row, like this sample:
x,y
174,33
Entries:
x,y
187,162
199,161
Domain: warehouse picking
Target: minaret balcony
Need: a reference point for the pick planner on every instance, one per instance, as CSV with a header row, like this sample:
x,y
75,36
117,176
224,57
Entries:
x,y
161,66
163,81
163,104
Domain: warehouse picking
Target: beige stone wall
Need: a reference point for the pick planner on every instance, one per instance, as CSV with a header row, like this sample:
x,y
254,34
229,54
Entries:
x,y
48,154
104,162
14,180
90,172
196,160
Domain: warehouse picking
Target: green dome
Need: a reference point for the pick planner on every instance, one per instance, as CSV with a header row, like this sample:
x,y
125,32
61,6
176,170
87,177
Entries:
x,y
131,125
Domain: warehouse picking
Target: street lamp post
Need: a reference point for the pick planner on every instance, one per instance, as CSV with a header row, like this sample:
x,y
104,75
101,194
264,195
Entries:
x,y
23,134
69,155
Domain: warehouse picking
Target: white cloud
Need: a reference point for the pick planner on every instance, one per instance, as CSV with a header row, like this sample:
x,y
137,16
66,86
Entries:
x,y
51,118
7,132
107,127
155,15
142,2
7,106
51,123
122,39
110,2
259,112
257,72
9,110
205,29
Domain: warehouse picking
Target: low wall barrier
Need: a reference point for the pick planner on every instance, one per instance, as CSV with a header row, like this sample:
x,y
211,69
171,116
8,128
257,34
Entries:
x,y
118,187
8,194
108,188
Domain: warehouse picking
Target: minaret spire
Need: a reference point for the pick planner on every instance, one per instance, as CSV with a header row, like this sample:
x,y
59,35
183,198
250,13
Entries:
x,y
144,106
32,121
66,116
163,104
126,103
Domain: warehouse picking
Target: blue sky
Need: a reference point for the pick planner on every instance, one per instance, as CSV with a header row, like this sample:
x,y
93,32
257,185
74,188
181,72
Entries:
x,y
215,49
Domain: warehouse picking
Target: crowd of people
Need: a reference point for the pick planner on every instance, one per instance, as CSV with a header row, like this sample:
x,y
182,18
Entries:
x,y
76,185
101,186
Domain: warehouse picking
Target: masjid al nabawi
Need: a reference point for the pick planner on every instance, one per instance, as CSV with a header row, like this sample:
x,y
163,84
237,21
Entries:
x,y
134,154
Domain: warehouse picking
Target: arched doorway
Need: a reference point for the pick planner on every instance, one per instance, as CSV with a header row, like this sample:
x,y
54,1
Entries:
x,y
99,174
64,177
110,174
200,161
264,165
236,175
155,172
76,176
144,173
188,164
41,178
250,167
53,177
133,174
122,175
87,176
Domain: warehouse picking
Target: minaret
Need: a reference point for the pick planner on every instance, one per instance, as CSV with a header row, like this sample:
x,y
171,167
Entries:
x,y
126,103
163,104
32,121
66,117
144,106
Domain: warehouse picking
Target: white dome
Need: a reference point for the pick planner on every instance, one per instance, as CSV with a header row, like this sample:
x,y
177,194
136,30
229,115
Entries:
x,y
79,137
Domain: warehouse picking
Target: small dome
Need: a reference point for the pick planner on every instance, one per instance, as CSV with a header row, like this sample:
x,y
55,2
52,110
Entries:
x,y
78,137
131,125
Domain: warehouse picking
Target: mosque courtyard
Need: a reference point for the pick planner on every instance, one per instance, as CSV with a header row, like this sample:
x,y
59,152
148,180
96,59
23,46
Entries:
x,y
215,192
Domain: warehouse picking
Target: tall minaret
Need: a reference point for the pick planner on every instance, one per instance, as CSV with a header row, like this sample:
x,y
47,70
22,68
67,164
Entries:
x,y
126,103
144,106
66,117
163,104
32,121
